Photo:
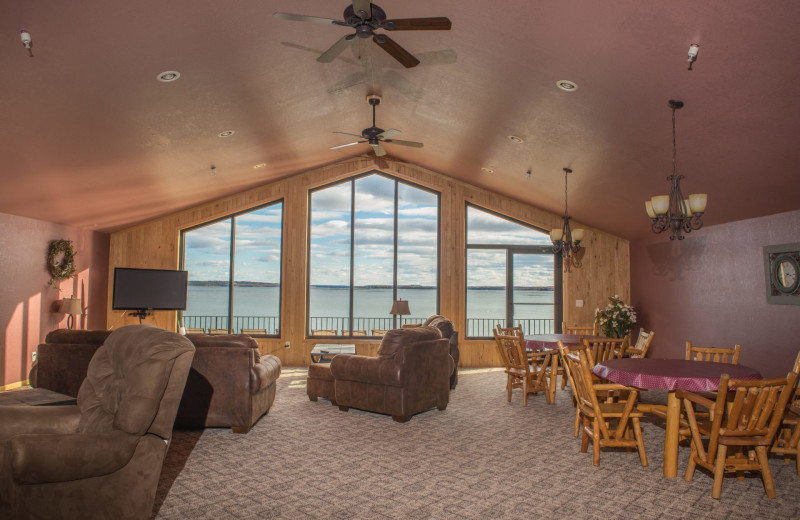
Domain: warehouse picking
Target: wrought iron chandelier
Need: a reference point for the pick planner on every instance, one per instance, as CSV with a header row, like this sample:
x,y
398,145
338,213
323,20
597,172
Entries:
x,y
565,240
672,211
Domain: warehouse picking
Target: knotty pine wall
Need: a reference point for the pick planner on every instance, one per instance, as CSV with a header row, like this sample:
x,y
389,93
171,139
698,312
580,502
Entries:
x,y
605,267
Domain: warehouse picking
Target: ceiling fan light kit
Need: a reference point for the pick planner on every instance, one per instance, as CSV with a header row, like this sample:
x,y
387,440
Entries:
x,y
673,211
365,18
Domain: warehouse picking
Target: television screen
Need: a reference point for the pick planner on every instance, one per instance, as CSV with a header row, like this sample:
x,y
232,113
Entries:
x,y
149,289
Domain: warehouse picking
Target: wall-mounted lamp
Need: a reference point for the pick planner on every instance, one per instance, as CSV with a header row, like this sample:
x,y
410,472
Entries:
x,y
693,49
71,306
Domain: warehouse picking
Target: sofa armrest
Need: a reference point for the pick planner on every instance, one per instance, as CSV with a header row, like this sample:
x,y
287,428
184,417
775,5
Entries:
x,y
42,458
264,373
364,369
16,420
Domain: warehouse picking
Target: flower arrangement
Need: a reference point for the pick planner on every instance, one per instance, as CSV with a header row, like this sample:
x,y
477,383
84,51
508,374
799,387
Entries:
x,y
617,319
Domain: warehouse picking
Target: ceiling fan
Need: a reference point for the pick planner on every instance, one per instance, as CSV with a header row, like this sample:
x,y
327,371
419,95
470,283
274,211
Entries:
x,y
374,135
366,17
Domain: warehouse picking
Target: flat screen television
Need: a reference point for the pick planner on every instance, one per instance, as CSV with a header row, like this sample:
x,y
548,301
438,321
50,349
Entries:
x,y
145,290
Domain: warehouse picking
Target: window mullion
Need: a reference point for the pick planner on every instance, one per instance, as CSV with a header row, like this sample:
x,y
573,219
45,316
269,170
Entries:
x,y
230,275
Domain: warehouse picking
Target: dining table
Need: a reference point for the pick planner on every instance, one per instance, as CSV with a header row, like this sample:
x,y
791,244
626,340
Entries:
x,y
540,342
671,375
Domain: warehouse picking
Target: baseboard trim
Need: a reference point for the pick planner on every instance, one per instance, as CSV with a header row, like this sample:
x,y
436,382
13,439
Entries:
x,y
12,386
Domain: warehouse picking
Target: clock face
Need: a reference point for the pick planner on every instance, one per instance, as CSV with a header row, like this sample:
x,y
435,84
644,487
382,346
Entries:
x,y
786,273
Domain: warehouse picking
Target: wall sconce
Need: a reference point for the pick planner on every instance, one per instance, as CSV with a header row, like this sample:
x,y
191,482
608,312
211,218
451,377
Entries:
x,y
71,306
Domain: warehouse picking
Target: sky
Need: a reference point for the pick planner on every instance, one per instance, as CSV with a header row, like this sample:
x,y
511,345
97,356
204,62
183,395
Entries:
x,y
258,241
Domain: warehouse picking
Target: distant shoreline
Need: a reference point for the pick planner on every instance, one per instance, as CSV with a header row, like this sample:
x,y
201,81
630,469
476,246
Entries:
x,y
220,283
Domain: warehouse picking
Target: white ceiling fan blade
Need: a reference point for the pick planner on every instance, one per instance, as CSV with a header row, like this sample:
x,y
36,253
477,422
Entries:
x,y
404,143
389,133
363,5
346,145
304,18
379,151
348,133
336,49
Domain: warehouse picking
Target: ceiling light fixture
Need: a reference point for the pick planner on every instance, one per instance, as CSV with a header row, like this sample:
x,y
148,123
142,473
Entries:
x,y
226,133
565,240
515,139
168,76
487,170
693,49
567,85
672,211
260,165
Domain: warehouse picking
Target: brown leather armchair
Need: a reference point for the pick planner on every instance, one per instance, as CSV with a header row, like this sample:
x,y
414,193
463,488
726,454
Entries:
x,y
410,375
449,332
102,457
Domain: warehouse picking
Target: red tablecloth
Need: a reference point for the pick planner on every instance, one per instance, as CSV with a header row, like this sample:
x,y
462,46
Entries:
x,y
671,374
550,341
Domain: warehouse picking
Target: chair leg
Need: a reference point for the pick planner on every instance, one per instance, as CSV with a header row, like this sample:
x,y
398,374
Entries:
x,y
637,432
766,474
585,436
577,421
691,466
596,443
719,471
508,387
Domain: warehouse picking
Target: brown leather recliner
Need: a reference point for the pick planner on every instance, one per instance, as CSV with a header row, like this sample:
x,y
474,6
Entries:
x,y
230,384
449,332
100,458
411,374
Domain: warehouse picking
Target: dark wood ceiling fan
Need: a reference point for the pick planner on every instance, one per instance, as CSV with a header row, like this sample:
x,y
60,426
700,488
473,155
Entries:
x,y
374,135
366,17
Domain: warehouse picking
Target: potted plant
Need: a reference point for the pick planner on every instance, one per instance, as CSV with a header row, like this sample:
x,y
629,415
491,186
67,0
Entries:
x,y
616,319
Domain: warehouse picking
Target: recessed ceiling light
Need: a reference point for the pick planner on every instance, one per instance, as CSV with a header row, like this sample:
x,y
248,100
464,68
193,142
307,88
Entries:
x,y
487,170
260,165
567,85
169,76
226,133
515,139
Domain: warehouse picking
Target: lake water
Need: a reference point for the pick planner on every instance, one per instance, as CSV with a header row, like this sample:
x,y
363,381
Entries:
x,y
329,305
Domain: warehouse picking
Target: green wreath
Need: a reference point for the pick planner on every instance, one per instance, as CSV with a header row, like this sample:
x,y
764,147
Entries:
x,y
60,261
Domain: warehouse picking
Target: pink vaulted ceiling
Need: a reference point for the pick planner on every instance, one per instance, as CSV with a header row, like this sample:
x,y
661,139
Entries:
x,y
88,137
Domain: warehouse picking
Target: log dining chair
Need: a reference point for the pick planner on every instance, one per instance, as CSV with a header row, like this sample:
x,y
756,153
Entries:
x,y
195,330
523,371
255,332
603,349
787,440
716,355
642,345
599,417
742,428
563,352
589,330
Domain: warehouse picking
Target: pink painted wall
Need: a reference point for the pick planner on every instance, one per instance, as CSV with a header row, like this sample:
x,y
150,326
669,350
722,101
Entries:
x,y
710,288
28,303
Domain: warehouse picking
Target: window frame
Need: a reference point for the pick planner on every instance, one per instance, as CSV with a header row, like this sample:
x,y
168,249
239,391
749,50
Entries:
x,y
511,249
352,179
232,257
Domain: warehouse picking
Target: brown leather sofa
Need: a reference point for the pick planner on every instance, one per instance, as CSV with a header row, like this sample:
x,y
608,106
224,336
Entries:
x,y
102,457
410,374
230,384
449,332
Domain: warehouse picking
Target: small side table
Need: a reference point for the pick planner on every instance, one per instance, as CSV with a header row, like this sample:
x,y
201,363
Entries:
x,y
324,352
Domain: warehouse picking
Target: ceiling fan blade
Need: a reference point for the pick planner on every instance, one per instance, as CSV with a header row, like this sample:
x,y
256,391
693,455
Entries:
x,y
405,58
336,49
346,145
363,5
440,23
389,133
304,18
403,143
348,133
379,151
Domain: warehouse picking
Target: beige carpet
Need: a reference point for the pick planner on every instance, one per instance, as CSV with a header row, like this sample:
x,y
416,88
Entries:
x,y
480,458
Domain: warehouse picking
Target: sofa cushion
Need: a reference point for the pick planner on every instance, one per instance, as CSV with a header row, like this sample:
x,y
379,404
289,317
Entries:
x,y
226,340
396,338
77,337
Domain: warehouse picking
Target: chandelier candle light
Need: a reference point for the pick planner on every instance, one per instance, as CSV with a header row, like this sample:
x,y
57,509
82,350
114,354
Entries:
x,y
672,211
565,240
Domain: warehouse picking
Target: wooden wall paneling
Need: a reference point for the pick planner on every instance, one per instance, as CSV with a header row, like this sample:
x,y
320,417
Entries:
x,y
606,269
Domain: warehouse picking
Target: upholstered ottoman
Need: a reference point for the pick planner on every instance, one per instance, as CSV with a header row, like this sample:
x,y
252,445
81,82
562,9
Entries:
x,y
320,382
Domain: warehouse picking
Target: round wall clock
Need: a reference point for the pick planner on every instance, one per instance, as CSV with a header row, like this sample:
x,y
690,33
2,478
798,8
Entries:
x,y
782,266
